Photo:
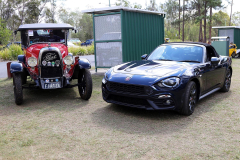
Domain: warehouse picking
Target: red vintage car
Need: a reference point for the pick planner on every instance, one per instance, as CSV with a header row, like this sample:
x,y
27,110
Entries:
x,y
47,61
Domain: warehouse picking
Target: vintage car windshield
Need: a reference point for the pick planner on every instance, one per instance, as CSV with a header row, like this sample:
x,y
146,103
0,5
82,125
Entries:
x,y
182,53
46,35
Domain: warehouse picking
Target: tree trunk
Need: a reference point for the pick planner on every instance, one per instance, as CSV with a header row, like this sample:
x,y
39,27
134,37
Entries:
x,y
205,22
179,21
231,14
200,39
210,25
183,22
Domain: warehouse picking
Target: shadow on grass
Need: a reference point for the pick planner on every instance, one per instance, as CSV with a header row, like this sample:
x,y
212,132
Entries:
x,y
138,121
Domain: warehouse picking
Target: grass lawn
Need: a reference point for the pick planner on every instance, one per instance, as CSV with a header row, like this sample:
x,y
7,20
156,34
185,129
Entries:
x,y
57,124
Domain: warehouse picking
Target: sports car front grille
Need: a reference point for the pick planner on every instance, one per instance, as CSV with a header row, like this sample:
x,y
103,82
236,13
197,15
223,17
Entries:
x,y
50,71
125,88
128,100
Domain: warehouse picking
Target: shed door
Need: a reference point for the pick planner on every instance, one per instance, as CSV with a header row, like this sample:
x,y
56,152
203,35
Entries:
x,y
227,32
108,40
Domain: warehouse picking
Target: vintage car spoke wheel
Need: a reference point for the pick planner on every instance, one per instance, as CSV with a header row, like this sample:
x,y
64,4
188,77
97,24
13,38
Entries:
x,y
85,79
227,82
17,87
233,55
190,99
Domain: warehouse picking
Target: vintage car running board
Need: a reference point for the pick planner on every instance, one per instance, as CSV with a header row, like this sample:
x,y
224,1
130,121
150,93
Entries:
x,y
212,91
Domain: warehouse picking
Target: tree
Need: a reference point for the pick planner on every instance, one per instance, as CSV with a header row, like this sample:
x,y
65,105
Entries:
x,y
4,32
236,18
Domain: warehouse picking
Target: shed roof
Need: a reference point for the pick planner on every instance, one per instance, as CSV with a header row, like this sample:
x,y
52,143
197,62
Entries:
x,y
226,27
45,26
118,9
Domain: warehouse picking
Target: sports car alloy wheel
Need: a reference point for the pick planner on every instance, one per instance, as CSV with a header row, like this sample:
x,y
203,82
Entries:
x,y
190,99
227,82
85,81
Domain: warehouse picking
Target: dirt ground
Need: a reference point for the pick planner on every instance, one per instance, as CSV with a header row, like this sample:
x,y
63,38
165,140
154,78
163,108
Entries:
x,y
57,124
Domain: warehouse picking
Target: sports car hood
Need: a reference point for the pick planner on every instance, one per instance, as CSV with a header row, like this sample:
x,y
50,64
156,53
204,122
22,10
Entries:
x,y
147,72
153,68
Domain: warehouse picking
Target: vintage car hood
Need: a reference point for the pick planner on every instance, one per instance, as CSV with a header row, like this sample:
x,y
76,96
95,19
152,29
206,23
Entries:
x,y
147,72
34,49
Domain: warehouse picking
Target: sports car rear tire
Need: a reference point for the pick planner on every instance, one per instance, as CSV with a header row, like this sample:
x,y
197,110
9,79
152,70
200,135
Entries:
x,y
17,87
85,79
190,99
227,82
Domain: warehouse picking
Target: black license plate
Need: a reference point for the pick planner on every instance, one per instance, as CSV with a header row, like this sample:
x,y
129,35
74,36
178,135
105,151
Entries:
x,y
52,85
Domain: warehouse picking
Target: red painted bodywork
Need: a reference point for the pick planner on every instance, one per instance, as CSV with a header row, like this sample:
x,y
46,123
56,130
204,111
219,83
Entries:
x,y
33,51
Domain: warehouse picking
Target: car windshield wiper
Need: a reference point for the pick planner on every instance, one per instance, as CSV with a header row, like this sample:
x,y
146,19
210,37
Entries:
x,y
189,61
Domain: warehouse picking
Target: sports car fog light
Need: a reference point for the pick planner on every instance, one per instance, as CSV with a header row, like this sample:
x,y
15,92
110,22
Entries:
x,y
168,102
32,61
104,81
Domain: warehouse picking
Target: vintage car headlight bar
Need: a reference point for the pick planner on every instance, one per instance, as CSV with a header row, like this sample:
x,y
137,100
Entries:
x,y
32,61
169,82
68,60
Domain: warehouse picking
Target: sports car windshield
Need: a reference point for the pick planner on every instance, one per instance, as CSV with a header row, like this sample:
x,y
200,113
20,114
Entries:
x,y
46,35
181,53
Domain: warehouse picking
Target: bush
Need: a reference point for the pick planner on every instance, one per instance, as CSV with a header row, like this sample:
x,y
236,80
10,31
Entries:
x,y
15,50
90,49
73,50
5,54
82,51
11,53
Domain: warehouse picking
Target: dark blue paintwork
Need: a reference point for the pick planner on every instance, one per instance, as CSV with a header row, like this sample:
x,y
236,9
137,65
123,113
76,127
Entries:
x,y
21,58
84,64
16,67
145,75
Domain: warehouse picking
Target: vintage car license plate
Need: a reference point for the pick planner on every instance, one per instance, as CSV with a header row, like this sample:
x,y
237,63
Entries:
x,y
52,85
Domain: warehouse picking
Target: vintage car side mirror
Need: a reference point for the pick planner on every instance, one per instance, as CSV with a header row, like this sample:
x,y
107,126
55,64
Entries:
x,y
144,56
215,61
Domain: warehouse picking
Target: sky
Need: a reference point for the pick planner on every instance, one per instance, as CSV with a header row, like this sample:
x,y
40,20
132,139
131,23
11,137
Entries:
x,y
89,4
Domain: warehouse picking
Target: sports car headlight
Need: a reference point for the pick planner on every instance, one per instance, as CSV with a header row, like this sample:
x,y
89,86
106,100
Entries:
x,y
32,61
68,60
169,82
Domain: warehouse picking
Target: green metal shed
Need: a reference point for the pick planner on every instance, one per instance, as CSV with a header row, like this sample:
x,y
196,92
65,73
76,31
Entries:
x,y
124,34
233,32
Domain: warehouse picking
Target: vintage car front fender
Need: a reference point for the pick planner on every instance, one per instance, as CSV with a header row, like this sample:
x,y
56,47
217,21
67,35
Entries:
x,y
21,58
84,63
16,67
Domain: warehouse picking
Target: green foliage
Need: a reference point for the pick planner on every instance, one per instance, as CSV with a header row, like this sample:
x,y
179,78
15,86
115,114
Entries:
x,y
5,54
11,53
81,50
90,49
15,50
4,33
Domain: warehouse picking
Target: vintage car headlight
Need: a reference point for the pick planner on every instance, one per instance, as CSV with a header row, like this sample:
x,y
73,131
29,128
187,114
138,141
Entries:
x,y
68,60
169,82
32,61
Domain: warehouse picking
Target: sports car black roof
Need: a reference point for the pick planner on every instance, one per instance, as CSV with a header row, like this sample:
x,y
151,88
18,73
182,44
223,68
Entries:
x,y
45,26
198,43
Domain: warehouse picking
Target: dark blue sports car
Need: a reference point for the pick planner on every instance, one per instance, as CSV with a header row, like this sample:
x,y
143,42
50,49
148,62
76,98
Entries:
x,y
173,77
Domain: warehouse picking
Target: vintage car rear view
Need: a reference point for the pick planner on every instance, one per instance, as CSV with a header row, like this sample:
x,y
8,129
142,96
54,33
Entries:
x,y
173,77
47,61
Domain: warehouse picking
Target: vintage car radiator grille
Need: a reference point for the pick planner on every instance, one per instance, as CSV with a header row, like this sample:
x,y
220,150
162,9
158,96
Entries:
x,y
51,69
128,88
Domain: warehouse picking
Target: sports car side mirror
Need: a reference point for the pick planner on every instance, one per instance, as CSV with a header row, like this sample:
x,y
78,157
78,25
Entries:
x,y
215,61
144,56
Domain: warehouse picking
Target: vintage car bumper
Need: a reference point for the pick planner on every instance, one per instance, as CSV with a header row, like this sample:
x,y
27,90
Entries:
x,y
139,97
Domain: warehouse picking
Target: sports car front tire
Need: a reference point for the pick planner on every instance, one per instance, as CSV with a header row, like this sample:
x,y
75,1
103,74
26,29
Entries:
x,y
190,99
